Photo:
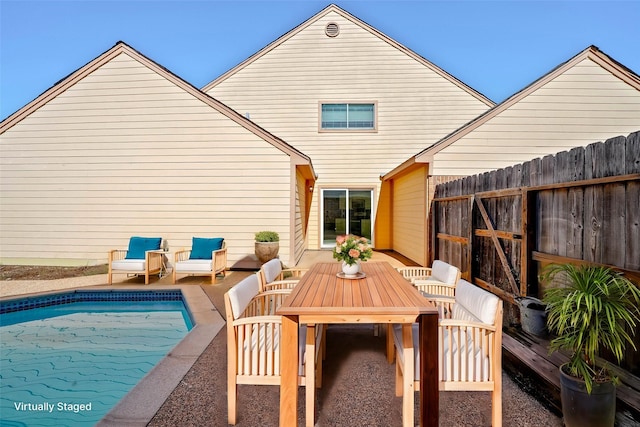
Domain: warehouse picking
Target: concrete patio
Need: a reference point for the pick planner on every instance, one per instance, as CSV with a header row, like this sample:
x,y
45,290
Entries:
x,y
358,383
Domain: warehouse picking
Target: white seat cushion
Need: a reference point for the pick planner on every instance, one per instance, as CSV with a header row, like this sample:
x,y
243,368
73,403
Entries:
x,y
443,272
194,265
475,301
129,265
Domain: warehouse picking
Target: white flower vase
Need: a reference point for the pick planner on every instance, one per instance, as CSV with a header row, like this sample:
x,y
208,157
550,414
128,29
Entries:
x,y
350,270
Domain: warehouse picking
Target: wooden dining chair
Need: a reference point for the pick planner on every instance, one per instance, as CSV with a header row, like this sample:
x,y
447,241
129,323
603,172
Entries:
x,y
439,280
469,348
253,344
273,276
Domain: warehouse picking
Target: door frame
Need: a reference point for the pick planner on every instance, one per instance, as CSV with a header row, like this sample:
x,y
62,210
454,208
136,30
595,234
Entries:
x,y
347,189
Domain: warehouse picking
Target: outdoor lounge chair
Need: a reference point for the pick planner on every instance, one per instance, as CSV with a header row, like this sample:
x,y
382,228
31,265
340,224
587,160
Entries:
x,y
253,344
469,347
206,257
143,257
273,276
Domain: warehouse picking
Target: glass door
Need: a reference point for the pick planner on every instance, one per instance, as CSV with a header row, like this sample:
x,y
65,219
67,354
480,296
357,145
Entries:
x,y
345,211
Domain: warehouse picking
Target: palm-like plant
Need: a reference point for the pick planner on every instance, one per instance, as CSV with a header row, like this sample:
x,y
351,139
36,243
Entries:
x,y
590,309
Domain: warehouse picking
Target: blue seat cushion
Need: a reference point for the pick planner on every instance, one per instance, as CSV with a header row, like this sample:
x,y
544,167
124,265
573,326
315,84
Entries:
x,y
201,248
139,245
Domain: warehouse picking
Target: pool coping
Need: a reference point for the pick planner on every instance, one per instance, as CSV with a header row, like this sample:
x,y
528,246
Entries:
x,y
143,401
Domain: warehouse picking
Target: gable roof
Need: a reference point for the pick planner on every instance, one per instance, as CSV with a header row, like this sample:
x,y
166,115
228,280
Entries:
x,y
335,9
120,47
592,52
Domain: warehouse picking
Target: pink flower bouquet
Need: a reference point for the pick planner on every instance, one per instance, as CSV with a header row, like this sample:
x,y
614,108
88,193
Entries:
x,y
351,249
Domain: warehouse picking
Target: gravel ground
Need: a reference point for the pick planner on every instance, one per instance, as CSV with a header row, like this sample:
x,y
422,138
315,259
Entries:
x,y
38,272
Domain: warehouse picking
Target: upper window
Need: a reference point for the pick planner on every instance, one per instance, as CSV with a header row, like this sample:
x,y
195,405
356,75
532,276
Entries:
x,y
347,116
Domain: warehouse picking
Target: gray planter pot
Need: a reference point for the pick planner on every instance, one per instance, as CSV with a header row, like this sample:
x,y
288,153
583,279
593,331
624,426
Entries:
x,y
581,409
533,316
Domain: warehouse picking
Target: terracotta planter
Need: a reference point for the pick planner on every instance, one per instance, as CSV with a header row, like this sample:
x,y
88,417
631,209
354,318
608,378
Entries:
x,y
266,251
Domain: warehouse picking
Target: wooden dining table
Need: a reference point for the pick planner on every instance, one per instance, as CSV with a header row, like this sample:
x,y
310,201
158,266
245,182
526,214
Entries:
x,y
382,295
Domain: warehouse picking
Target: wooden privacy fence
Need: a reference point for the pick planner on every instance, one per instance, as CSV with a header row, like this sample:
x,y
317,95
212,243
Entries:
x,y
581,206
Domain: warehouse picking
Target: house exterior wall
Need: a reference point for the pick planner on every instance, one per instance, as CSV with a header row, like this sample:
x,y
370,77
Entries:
x,y
282,91
300,219
583,104
126,152
409,215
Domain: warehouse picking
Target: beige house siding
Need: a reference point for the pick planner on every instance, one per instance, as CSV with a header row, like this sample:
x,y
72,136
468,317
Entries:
x,y
583,104
409,215
299,218
283,87
124,152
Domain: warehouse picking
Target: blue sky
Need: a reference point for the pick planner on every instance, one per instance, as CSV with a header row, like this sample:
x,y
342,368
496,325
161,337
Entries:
x,y
496,47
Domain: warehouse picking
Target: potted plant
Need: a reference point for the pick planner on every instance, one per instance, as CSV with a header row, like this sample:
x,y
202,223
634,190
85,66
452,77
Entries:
x,y
351,250
267,245
588,310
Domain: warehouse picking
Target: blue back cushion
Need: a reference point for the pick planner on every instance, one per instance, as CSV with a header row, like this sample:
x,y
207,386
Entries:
x,y
139,245
201,248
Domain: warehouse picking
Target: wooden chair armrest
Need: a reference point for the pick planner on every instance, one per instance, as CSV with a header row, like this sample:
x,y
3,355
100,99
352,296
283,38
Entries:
x,y
425,281
181,255
219,258
255,320
411,273
280,284
292,273
436,299
154,259
117,254
455,323
219,254
418,278
435,288
266,303
443,304
218,251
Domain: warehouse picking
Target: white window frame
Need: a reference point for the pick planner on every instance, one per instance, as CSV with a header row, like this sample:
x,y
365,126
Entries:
x,y
347,189
348,129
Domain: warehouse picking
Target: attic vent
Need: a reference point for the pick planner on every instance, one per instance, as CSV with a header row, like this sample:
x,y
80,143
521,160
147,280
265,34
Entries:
x,y
332,29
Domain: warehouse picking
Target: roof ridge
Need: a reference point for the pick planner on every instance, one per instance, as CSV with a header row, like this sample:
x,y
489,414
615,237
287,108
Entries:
x,y
335,8
591,52
122,47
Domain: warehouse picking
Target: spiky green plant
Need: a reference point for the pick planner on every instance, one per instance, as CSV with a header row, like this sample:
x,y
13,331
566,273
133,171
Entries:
x,y
590,309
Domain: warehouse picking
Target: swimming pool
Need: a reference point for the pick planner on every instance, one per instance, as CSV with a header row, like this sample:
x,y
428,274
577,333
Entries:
x,y
67,359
